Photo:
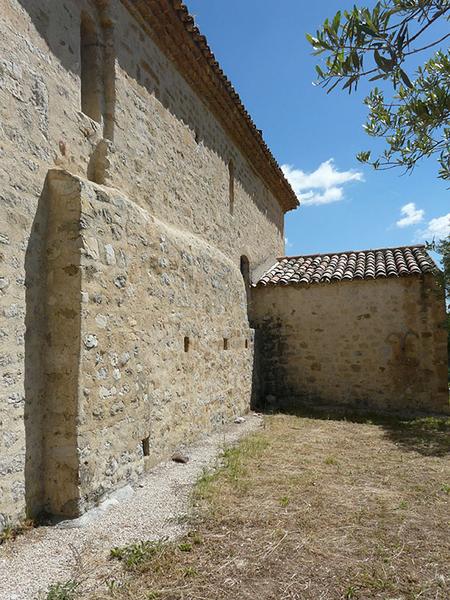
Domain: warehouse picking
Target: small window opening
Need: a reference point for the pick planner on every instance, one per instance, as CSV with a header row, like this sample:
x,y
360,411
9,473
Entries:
x,y
246,344
225,343
186,344
91,77
231,185
146,446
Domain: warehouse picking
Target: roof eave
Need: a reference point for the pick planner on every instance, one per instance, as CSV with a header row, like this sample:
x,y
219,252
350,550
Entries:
x,y
201,70
301,270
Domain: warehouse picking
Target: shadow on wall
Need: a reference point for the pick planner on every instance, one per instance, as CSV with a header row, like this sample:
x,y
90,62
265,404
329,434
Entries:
x,y
270,368
427,435
48,26
35,324
52,351
257,376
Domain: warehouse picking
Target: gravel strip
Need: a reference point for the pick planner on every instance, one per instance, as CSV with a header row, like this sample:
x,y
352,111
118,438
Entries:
x,y
155,509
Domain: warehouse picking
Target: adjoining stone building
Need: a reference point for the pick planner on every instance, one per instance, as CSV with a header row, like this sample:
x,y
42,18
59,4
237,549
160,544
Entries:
x,y
137,201
360,330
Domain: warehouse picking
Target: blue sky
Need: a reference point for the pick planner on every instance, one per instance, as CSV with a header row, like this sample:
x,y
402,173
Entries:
x,y
261,46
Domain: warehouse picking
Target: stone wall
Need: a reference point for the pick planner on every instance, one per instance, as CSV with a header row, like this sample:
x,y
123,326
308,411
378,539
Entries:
x,y
156,141
369,345
146,341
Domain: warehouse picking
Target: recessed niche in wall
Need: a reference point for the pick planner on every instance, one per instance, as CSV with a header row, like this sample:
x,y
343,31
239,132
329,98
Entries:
x,y
225,343
245,272
231,186
244,267
146,446
97,71
186,344
246,343
90,69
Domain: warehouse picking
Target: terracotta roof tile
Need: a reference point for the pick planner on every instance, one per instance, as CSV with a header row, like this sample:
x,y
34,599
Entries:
x,y
347,266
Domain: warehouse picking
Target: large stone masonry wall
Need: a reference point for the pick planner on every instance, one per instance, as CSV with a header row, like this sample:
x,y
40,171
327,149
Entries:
x,y
133,343
368,345
181,164
157,141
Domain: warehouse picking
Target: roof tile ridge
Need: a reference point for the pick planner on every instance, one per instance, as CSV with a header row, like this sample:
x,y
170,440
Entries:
x,y
409,247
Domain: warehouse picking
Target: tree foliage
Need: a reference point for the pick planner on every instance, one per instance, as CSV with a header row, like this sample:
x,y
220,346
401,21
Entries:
x,y
442,247
412,111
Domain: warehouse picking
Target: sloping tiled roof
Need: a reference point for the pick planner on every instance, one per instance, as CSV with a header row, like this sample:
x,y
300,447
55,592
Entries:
x,y
348,266
174,30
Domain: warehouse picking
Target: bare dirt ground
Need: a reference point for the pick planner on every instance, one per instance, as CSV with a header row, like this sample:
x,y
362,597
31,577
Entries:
x,y
307,509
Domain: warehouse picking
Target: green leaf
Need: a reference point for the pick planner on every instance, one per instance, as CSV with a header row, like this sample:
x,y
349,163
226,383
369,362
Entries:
x,y
383,63
363,157
319,72
406,80
349,83
336,21
379,76
355,59
312,40
367,30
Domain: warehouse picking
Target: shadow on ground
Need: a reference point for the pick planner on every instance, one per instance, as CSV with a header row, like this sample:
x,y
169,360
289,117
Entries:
x,y
427,435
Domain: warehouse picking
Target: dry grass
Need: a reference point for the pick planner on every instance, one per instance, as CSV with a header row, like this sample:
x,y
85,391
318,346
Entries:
x,y
309,509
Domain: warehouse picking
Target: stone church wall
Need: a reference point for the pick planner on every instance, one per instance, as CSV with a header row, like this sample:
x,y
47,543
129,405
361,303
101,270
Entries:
x,y
366,345
158,143
146,339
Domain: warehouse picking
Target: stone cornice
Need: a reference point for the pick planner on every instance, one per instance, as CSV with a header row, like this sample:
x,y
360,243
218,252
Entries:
x,y
173,29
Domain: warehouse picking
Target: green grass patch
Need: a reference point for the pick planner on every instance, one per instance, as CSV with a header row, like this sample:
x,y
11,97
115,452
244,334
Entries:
x,y
233,469
63,591
135,555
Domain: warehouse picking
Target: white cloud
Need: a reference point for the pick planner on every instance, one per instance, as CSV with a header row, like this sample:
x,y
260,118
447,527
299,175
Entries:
x,y
322,186
287,243
411,215
438,228
332,194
